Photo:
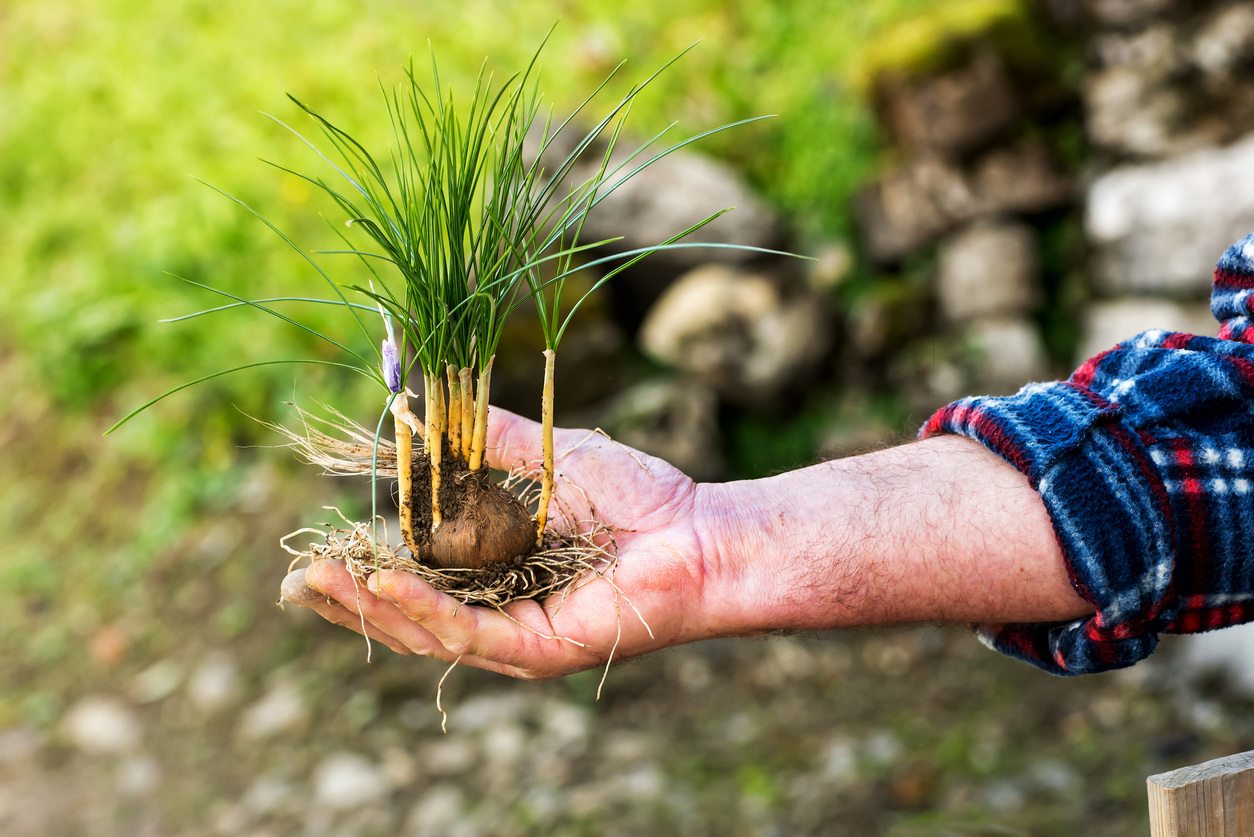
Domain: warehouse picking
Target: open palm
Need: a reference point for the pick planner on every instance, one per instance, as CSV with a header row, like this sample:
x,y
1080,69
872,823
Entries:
x,y
660,574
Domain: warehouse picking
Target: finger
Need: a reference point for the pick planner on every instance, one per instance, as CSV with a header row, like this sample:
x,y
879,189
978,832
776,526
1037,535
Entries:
x,y
512,439
333,579
524,643
296,591
339,615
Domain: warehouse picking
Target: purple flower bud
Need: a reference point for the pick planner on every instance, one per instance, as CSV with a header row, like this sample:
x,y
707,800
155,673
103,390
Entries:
x,y
391,366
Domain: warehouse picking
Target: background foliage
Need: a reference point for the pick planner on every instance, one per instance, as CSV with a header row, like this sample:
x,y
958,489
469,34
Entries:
x,y
158,543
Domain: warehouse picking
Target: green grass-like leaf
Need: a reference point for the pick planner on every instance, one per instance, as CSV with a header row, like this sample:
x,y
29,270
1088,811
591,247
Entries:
x,y
466,215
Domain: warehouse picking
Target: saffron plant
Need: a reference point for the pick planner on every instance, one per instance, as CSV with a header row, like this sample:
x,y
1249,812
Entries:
x,y
465,219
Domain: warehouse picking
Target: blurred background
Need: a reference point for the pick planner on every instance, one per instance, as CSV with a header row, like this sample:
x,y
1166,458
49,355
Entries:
x,y
990,191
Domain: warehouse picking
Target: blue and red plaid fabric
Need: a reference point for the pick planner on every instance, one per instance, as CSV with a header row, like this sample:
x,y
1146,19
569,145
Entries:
x,y
1145,460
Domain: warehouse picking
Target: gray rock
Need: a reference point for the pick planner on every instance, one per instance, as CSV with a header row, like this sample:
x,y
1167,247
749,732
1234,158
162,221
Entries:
x,y
1230,650
399,766
737,332
666,198
215,683
1152,52
282,709
1020,178
438,812
138,776
624,747
1108,323
987,269
1127,12
1141,103
911,206
881,748
945,382
1055,776
503,745
1010,353
344,781
839,761
643,784
484,711
953,112
566,726
590,356
832,265
448,757
1004,796
19,744
887,316
1133,114
156,682
268,795
1225,41
678,192
1161,227
102,724
673,419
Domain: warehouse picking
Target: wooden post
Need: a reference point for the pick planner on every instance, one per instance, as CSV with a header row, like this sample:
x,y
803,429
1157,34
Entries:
x,y
1215,799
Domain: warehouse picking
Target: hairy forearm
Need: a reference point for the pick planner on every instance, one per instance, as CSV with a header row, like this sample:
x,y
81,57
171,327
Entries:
x,y
939,530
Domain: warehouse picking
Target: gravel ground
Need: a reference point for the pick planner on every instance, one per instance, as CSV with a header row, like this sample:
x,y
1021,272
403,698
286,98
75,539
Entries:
x,y
181,701
906,731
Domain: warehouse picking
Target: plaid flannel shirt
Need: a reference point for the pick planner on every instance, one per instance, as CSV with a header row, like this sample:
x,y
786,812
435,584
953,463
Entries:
x,y
1144,458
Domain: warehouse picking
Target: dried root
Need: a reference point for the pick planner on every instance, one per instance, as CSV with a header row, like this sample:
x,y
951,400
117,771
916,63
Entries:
x,y
557,568
578,550
351,455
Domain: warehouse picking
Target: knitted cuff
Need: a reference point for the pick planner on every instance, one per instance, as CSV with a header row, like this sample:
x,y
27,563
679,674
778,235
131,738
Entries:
x,y
1110,512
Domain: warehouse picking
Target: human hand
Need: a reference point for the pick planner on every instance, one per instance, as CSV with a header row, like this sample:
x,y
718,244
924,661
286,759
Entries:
x,y
937,530
662,595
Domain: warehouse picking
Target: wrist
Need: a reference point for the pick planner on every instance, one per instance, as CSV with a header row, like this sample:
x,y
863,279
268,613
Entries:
x,y
772,553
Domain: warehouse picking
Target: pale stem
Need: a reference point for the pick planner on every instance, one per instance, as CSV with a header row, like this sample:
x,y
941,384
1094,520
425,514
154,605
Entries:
x,y
428,422
466,377
546,439
454,410
481,417
406,427
435,441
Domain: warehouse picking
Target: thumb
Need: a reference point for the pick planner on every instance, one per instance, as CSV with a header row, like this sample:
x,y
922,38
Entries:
x,y
511,440
296,591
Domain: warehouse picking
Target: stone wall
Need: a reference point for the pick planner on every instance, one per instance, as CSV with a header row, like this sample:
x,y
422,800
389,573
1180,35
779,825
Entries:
x,y
1163,184
1037,205
1169,107
955,227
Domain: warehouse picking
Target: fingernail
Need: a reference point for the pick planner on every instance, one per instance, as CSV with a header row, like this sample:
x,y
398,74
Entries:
x,y
297,591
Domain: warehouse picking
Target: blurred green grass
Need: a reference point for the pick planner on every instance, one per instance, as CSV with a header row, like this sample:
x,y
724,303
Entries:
x,y
109,109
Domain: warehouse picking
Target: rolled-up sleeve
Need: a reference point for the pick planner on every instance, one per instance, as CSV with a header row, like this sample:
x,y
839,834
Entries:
x,y
1144,459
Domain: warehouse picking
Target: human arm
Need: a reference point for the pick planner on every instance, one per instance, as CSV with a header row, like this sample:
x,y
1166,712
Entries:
x,y
932,531
1133,481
